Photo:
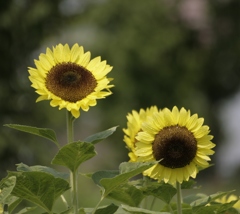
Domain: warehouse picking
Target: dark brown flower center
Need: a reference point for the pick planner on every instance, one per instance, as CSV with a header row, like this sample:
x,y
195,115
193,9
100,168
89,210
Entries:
x,y
175,146
70,82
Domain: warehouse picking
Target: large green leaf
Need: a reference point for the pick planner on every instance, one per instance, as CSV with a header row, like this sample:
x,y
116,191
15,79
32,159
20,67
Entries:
x,y
25,168
127,194
227,207
38,187
127,171
68,211
207,199
12,203
172,208
109,209
217,208
99,175
42,132
95,138
27,210
5,196
73,154
163,191
197,205
7,188
188,184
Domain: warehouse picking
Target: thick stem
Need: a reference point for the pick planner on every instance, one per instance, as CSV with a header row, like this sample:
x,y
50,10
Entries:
x,y
75,191
179,198
70,129
73,175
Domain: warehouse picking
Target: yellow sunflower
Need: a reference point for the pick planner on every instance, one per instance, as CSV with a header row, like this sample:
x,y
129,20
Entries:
x,y
134,122
70,79
179,141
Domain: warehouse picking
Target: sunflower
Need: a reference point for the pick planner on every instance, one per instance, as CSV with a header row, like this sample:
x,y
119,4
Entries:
x,y
134,122
179,141
70,79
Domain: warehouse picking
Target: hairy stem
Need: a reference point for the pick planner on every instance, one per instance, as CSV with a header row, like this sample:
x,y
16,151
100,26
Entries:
x,y
73,175
179,198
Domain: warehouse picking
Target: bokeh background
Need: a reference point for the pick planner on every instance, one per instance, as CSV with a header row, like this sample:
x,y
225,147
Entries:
x,y
164,53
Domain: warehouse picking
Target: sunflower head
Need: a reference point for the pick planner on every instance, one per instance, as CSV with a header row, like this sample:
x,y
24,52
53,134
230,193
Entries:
x,y
134,122
178,140
70,79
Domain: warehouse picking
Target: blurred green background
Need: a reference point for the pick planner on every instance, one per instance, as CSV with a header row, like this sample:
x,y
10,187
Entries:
x,y
164,53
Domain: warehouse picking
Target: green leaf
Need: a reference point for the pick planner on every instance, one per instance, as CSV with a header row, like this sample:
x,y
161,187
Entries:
x,y
194,197
27,210
207,199
227,207
100,135
69,211
124,209
186,208
5,196
206,209
42,132
188,184
127,194
128,170
73,154
25,168
109,209
199,205
98,176
13,202
163,191
7,188
126,167
38,187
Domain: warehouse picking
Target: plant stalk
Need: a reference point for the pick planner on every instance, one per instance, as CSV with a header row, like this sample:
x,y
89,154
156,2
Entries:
x,y
179,198
73,175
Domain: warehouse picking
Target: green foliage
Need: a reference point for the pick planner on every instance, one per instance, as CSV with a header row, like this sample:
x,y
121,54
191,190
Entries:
x,y
37,187
127,171
73,154
27,210
42,132
127,194
172,208
42,185
110,209
100,136
25,168
163,191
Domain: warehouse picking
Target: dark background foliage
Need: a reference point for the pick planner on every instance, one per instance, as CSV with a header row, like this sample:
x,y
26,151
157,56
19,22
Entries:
x,y
161,53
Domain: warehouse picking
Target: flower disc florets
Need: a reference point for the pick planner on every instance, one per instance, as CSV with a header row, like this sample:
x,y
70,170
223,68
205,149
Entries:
x,y
175,146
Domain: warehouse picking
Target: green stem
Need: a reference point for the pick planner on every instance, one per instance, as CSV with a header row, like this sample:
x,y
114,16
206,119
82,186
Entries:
x,y
99,202
64,201
179,198
170,208
73,175
70,130
153,202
